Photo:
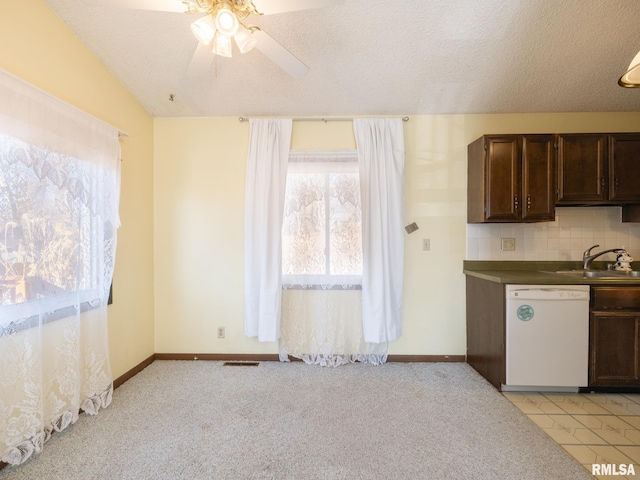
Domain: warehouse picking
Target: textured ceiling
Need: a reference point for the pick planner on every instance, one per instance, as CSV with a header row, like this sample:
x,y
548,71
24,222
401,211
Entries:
x,y
381,57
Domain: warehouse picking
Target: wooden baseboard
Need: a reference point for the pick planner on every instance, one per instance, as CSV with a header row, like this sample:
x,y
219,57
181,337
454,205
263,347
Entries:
x,y
274,357
426,358
134,371
251,357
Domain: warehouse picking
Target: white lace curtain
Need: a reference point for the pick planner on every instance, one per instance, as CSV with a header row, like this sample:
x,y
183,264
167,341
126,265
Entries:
x,y
59,190
322,262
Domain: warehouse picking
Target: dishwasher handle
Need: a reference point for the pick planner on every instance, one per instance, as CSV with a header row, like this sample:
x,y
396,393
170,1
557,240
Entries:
x,y
553,294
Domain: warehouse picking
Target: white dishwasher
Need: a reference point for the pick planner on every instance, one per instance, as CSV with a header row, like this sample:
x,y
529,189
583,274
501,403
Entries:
x,y
547,337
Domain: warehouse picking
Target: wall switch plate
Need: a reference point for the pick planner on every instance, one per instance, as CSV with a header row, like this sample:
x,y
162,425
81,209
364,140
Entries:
x,y
220,332
508,244
426,244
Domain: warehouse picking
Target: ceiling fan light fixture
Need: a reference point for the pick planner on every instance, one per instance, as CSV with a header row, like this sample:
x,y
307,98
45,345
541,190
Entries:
x,y
204,29
227,22
244,39
222,45
631,79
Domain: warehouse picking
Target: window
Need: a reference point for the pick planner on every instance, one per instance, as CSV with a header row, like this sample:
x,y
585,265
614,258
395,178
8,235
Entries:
x,y
46,249
59,188
322,223
52,234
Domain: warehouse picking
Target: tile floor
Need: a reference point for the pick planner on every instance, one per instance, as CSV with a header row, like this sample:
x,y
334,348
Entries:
x,y
595,428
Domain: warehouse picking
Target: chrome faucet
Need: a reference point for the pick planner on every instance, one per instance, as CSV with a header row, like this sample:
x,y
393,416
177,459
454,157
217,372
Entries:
x,y
587,258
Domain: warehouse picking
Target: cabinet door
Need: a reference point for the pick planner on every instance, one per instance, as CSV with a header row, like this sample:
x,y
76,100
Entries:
x,y
614,356
624,168
503,198
538,178
582,168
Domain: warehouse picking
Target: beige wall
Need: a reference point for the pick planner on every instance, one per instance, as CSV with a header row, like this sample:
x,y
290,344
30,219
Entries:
x,y
199,191
48,55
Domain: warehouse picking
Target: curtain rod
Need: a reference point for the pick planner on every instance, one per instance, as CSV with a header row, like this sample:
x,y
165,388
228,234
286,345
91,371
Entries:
x,y
313,119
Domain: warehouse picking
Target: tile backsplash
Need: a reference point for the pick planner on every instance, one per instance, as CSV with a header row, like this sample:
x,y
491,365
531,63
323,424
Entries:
x,y
574,230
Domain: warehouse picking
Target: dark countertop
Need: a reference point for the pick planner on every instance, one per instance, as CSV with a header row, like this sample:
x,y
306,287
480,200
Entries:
x,y
539,273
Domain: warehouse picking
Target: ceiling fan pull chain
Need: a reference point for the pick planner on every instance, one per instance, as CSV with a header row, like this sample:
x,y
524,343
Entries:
x,y
215,66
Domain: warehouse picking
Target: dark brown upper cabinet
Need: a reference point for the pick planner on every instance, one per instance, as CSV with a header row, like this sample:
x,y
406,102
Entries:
x,y
598,169
511,178
624,168
582,168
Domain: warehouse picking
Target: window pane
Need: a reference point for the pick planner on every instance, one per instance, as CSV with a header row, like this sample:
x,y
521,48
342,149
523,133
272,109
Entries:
x,y
45,248
304,225
345,235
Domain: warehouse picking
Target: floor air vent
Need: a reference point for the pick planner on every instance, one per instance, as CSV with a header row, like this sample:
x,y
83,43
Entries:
x,y
240,364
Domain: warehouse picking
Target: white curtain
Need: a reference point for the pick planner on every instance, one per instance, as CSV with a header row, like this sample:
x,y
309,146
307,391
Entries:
x,y
266,177
59,190
322,262
380,144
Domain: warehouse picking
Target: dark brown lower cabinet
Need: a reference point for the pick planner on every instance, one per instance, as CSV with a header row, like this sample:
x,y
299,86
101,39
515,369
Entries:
x,y
486,329
614,357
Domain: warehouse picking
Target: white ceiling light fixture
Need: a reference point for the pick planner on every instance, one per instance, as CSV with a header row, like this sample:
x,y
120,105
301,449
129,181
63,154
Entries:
x,y
244,39
223,21
220,31
226,22
204,29
222,45
631,79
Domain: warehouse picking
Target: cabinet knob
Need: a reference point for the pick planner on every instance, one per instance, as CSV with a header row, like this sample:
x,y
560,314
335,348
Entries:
x,y
528,202
515,203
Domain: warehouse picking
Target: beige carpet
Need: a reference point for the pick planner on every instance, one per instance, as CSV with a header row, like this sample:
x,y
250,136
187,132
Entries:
x,y
203,420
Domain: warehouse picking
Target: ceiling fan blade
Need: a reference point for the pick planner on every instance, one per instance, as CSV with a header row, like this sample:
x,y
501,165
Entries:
x,y
159,5
201,61
269,7
279,55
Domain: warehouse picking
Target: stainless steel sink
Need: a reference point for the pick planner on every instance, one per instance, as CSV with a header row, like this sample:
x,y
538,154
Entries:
x,y
604,274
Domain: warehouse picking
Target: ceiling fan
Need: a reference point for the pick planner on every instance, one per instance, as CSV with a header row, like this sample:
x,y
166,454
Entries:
x,y
223,21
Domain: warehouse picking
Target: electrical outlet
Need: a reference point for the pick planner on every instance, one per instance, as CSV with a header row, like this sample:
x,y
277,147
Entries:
x,y
220,332
508,244
426,244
